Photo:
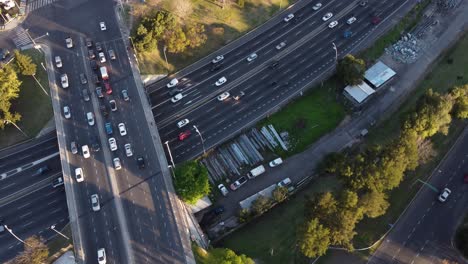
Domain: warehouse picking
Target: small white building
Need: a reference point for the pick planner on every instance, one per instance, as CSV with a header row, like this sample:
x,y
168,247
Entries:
x,y
358,93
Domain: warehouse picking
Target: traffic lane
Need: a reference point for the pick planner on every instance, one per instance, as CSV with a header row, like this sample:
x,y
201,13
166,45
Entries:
x,y
31,148
28,157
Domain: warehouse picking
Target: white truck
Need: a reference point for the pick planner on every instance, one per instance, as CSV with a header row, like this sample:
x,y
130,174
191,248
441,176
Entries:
x,y
255,172
104,75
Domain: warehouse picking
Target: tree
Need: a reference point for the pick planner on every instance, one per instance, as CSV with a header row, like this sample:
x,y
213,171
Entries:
x,y
176,41
374,203
313,239
25,64
322,206
152,28
241,3
460,97
351,70
195,34
245,215
220,255
191,181
261,205
280,194
35,252
9,90
182,8
332,163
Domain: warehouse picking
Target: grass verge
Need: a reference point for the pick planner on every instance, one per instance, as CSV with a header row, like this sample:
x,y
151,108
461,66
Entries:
x,y
57,244
34,106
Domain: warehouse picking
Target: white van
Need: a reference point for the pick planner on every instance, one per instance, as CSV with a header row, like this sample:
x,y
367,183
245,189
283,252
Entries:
x,y
255,172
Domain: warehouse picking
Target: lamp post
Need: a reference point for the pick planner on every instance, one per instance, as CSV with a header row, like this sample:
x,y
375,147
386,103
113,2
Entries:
x,y
202,140
34,40
13,234
6,122
58,232
170,154
336,51
165,57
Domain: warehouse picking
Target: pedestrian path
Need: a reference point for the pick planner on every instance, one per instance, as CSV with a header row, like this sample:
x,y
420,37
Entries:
x,y
20,37
36,4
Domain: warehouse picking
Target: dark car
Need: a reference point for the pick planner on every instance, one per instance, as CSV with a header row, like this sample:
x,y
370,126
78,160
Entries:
x,y
274,65
218,210
104,110
466,178
83,79
363,3
96,79
91,54
174,91
109,129
4,54
57,182
99,92
2,228
108,87
141,162
43,170
89,43
375,20
85,94
95,144
216,67
273,83
93,64
98,46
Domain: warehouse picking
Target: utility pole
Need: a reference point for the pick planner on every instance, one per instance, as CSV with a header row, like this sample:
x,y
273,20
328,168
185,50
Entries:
x,y
170,154
58,232
336,52
202,140
6,122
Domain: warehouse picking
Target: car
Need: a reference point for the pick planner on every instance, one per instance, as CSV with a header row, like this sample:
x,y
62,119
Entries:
x,y
112,144
284,183
95,144
79,175
74,147
109,130
174,91
83,79
95,202
69,42
238,96
327,16
218,210
57,182
66,112
2,226
102,57
177,98
274,64
58,62
99,92
128,150
333,24
347,34
125,95
113,105
90,118
91,54
351,20
252,57
376,20
104,109
237,184
43,170
101,256
184,135
122,129
281,45
363,3
317,6
102,25
217,59
444,195
98,46
64,80
93,64
85,94
216,67
141,162
182,123
223,96
89,43
108,87
85,151
221,81
288,18
172,83
117,164
275,162
465,178
224,191
111,54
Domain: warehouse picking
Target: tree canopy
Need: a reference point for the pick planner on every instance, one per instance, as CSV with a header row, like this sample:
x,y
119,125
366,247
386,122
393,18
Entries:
x,y
220,256
25,64
35,252
9,90
191,181
313,239
351,70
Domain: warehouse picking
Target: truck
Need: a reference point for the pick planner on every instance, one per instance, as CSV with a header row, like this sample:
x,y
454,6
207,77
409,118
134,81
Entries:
x,y
104,75
255,172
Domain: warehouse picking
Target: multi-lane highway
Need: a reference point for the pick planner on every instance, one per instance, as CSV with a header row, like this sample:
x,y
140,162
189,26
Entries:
x,y
425,231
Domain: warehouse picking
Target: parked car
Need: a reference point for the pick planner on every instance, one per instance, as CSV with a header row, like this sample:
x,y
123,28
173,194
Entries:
x,y
93,64
108,87
104,110
85,151
85,94
98,46
117,164
284,183
66,112
141,162
275,162
101,254
69,42
111,54
89,43
125,95
79,175
237,184
109,130
102,57
102,25
224,191
64,80
58,62
113,105
112,144
128,150
91,54
83,79
74,147
122,129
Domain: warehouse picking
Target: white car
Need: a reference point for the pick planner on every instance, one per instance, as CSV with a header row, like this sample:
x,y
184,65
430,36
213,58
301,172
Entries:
x,y
95,202
252,57
73,147
288,17
177,98
284,183
102,57
218,59
102,25
85,151
223,96
317,6
122,129
112,144
275,162
281,45
117,164
69,42
79,175
58,62
224,191
327,16
183,122
172,83
351,20
128,150
221,81
64,80
333,24
444,195
101,256
66,112
90,118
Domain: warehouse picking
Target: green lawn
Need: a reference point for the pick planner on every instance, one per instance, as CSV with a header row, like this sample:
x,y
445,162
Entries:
x,y
271,238
34,106
59,242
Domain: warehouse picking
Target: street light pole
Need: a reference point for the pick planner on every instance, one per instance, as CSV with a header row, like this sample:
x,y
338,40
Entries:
x,y
170,154
165,57
58,232
6,121
13,234
202,140
336,51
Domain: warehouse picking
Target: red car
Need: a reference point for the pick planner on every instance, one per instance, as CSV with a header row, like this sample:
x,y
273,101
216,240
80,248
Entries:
x,y
184,135
466,178
108,88
376,20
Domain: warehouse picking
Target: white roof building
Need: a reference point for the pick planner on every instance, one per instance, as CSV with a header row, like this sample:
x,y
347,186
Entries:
x,y
358,93
379,74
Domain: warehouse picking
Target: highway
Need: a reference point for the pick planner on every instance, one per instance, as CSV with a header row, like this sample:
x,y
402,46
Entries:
x,y
425,231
